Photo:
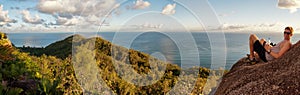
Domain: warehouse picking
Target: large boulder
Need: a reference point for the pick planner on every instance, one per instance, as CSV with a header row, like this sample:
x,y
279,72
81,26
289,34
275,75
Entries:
x,y
281,76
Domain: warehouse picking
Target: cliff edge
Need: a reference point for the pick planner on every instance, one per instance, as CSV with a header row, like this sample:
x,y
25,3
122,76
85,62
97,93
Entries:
x,y
280,76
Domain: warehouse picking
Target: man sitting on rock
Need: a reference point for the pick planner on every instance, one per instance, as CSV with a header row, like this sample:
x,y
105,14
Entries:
x,y
267,52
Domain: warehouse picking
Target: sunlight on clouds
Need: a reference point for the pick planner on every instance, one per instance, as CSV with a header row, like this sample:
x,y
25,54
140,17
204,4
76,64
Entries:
x,y
96,9
29,19
50,6
66,21
140,4
169,9
4,15
76,7
4,18
292,5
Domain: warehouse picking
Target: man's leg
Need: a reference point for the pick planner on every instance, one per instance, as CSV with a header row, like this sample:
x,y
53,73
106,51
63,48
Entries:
x,y
262,41
252,40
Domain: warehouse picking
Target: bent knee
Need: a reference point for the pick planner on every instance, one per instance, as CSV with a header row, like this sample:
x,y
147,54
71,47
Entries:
x,y
262,41
253,37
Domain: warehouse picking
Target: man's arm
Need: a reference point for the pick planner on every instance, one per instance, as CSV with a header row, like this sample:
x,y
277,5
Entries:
x,y
283,50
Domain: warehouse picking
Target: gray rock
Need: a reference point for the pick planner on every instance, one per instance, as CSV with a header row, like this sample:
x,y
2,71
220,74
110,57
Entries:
x,y
280,76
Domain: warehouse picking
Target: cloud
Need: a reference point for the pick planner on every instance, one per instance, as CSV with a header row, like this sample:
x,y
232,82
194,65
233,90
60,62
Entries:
x,y
4,17
52,6
150,26
138,27
169,9
79,21
140,4
262,27
292,5
78,12
77,7
233,26
29,19
68,22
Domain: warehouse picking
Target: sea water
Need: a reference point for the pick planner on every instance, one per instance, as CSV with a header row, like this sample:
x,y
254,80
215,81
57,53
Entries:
x,y
155,42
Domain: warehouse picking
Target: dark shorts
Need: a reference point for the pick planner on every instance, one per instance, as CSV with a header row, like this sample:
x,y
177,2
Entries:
x,y
260,50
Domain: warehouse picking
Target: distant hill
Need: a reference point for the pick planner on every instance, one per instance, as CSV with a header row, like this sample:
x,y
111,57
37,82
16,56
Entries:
x,y
61,49
278,77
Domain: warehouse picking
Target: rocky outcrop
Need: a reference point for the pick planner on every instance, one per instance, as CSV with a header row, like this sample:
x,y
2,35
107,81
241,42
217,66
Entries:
x,y
5,48
4,41
281,76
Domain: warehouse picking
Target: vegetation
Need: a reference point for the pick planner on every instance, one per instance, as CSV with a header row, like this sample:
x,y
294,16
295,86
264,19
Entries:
x,y
99,65
4,40
24,74
60,49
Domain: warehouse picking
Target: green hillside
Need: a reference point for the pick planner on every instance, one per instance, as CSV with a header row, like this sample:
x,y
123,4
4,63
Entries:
x,y
51,70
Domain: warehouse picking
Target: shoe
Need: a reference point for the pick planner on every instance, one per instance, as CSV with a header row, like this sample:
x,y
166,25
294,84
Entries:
x,y
251,61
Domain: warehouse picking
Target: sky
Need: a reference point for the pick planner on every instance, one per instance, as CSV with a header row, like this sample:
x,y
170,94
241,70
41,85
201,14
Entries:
x,y
148,15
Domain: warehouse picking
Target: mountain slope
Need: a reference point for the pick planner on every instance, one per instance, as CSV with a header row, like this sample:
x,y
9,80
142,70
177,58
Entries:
x,y
61,49
104,54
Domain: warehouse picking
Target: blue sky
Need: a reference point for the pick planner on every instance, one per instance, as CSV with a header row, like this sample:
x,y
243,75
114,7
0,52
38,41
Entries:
x,y
148,15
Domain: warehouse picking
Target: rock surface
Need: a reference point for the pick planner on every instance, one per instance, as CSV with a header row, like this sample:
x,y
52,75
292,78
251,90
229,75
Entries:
x,y
4,41
280,77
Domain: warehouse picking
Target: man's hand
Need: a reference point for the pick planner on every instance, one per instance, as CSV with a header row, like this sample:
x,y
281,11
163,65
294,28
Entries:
x,y
268,47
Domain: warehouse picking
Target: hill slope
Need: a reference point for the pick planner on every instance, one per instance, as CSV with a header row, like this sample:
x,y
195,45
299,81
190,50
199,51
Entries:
x,y
61,49
279,77
53,69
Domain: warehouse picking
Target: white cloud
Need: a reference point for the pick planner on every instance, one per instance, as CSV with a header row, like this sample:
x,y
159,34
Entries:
x,y
92,19
68,22
29,19
85,13
4,17
169,9
48,6
140,4
77,7
262,27
292,5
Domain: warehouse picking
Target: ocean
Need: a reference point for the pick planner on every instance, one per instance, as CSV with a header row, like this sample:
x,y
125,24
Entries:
x,y
173,49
